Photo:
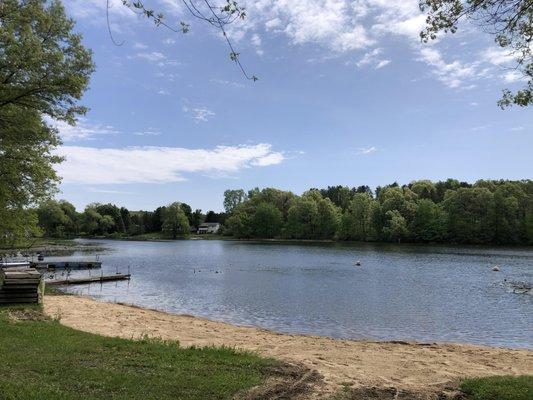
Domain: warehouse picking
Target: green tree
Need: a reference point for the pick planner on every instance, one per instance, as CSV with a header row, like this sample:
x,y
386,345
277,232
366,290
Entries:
x,y
44,70
357,221
267,221
175,221
106,224
53,219
469,215
429,224
197,218
239,224
328,219
395,228
302,219
232,198
91,220
424,189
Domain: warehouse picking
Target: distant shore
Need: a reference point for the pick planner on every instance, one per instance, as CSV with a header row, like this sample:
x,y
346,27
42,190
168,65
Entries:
x,y
50,247
422,368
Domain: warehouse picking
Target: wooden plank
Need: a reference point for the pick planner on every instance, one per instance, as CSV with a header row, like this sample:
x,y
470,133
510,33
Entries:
x,y
19,295
91,279
18,287
17,301
8,282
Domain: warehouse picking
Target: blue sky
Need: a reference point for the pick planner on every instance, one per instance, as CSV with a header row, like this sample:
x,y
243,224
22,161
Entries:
x,y
347,95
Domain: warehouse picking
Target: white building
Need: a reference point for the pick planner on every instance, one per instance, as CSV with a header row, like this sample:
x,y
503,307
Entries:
x,y
209,227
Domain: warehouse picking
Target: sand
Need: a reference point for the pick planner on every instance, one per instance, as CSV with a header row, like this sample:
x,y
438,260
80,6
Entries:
x,y
408,366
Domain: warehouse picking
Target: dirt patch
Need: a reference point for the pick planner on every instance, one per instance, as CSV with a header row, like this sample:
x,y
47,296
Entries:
x,y
29,314
286,381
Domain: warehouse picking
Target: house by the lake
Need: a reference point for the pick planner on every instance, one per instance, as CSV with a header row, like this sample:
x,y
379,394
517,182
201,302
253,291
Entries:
x,y
209,227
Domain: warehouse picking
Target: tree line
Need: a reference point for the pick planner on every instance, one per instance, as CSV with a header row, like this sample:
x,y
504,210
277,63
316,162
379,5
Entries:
x,y
60,219
486,212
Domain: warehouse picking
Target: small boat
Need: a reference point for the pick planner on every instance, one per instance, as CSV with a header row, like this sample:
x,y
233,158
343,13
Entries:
x,y
357,263
495,268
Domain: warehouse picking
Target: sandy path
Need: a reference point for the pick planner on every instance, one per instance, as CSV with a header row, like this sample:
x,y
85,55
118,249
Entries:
x,y
360,363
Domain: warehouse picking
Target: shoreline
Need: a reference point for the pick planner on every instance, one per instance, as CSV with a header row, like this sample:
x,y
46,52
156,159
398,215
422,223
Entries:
x,y
421,367
208,237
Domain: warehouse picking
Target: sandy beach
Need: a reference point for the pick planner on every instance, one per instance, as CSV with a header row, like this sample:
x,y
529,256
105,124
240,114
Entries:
x,y
410,366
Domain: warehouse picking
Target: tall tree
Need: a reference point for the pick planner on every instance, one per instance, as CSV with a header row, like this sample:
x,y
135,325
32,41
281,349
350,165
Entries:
x,y
232,198
44,70
267,221
175,221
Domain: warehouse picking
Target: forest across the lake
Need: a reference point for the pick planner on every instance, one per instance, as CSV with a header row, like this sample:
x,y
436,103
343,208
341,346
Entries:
x,y
486,212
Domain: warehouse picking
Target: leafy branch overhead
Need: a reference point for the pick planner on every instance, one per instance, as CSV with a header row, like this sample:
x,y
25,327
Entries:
x,y
510,21
217,16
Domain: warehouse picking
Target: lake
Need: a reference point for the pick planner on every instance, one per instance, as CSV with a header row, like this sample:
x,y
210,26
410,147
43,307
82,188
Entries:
x,y
400,292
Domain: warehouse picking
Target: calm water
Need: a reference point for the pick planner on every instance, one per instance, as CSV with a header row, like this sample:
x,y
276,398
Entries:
x,y
400,292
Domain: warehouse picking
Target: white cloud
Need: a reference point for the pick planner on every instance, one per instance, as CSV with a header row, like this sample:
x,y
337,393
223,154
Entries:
x,y
200,114
163,92
368,57
91,165
513,76
148,132
451,74
497,56
105,191
169,41
227,83
257,42
139,46
383,63
83,130
92,9
367,150
153,56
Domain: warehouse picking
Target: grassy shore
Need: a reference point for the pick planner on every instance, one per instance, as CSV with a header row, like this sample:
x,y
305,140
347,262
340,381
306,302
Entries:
x,y
41,359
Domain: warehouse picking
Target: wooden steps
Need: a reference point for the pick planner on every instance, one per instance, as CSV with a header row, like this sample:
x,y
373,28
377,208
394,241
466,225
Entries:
x,y
20,285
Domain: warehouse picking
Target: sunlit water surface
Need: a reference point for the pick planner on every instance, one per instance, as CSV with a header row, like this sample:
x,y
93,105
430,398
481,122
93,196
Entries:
x,y
400,292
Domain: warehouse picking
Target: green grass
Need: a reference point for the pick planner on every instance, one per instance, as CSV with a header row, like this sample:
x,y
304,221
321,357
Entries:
x,y
41,359
499,388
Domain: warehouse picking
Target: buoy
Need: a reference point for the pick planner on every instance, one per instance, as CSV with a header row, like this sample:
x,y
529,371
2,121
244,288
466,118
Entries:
x,y
495,268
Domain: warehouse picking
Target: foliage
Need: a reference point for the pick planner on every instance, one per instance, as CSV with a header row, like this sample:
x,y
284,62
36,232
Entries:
x,y
175,221
232,198
511,23
499,388
267,221
44,70
498,212
487,212
26,172
56,362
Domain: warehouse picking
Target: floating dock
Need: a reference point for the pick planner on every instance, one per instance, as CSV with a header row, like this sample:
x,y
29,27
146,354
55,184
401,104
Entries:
x,y
90,279
72,265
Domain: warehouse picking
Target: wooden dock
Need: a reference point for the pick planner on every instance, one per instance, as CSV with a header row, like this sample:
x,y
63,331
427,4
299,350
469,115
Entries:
x,y
20,285
71,265
90,279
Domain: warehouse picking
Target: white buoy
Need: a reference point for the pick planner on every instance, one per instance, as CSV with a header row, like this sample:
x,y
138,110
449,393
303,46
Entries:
x,y
495,268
